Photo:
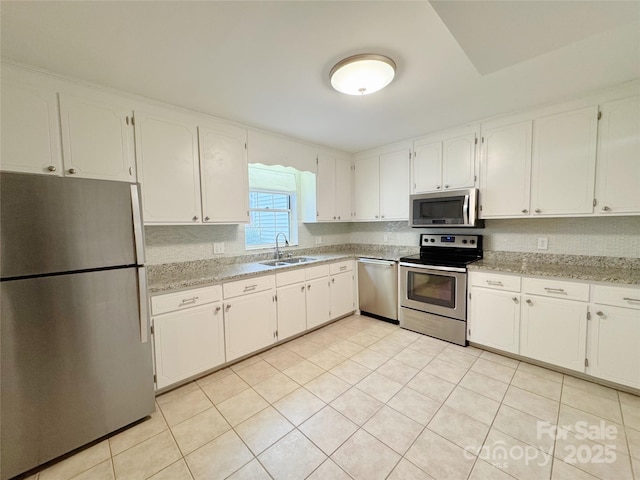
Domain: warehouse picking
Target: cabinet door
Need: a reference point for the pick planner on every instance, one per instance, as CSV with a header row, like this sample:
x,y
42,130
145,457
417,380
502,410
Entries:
x,y
30,129
167,154
459,161
506,171
494,319
614,338
554,331
187,343
342,294
343,189
318,302
366,183
427,167
97,138
563,164
618,174
292,310
249,323
326,188
394,185
224,174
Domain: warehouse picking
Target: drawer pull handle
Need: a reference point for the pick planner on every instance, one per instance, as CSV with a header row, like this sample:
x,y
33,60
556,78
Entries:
x,y
628,299
554,290
515,299
495,282
343,268
188,301
249,288
529,302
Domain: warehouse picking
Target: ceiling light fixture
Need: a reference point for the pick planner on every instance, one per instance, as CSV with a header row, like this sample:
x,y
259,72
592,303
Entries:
x,y
362,74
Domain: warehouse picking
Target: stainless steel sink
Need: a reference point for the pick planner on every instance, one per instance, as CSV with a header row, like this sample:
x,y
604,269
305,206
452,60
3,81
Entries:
x,y
275,263
297,260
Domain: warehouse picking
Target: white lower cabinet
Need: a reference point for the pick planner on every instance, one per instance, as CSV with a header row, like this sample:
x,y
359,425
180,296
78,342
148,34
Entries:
x,y
292,309
554,331
318,302
342,289
249,318
188,334
494,319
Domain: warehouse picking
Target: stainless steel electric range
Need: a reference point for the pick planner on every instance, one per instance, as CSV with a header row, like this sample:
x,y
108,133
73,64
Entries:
x,y
433,286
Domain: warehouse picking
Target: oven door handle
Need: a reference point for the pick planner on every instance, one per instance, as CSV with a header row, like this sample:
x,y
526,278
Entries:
x,y
433,267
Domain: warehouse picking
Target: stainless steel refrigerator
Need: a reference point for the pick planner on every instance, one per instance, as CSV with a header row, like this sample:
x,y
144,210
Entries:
x,y
75,349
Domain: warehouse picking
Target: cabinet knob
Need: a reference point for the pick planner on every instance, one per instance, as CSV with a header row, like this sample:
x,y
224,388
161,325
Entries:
x,y
227,307
524,210
73,171
334,218
537,210
195,218
529,302
376,216
206,219
599,313
382,216
218,309
446,186
515,299
52,168
338,218
437,187
309,287
606,209
333,280
302,288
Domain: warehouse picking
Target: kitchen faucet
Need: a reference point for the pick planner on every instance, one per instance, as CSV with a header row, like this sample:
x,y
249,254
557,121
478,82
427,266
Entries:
x,y
278,253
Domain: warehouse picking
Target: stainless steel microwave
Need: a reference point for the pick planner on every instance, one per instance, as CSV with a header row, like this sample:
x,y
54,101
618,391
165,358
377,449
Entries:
x,y
453,208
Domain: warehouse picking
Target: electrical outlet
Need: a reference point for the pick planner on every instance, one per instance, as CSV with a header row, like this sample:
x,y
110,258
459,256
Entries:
x,y
385,238
218,247
543,243
318,240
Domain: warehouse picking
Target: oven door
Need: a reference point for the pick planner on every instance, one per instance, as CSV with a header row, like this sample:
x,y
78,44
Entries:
x,y
437,290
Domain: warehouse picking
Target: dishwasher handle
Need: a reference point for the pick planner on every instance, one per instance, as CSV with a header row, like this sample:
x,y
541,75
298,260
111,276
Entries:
x,y
388,263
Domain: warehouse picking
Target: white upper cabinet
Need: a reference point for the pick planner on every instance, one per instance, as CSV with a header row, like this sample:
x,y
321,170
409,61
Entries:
x,y
427,166
564,161
223,173
618,172
505,170
394,185
366,186
333,187
30,128
381,185
168,168
445,161
97,138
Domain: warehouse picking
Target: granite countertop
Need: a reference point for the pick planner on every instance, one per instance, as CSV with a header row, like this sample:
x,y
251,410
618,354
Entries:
x,y
199,273
574,267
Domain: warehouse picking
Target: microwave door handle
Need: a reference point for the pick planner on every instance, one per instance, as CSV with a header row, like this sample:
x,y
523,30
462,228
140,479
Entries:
x,y
465,210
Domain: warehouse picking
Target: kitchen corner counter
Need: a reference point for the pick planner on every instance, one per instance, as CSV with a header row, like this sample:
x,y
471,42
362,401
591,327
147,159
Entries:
x,y
198,273
575,267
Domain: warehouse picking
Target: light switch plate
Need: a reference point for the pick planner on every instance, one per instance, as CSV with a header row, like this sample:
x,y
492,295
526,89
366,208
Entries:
x,y
318,240
543,243
385,238
218,247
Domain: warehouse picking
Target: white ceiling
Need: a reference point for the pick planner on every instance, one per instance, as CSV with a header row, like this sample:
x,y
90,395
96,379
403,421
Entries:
x,y
266,64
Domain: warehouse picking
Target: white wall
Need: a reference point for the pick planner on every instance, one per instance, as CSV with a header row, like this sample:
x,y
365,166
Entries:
x,y
611,236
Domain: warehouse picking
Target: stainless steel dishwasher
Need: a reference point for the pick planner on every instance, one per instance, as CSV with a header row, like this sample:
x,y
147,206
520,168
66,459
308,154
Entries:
x,y
378,288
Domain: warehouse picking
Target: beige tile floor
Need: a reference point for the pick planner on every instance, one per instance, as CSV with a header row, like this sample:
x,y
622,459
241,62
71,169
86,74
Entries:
x,y
364,399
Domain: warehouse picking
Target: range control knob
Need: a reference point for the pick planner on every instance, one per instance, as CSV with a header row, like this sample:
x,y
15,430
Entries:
x,y
472,242
432,240
464,241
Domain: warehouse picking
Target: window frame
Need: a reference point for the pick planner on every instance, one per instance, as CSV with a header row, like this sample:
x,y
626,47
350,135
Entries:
x,y
292,236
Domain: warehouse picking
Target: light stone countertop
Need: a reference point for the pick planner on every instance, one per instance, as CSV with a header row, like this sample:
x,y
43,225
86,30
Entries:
x,y
199,273
572,267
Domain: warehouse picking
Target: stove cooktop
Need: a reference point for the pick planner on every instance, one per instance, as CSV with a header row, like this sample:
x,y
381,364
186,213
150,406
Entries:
x,y
447,250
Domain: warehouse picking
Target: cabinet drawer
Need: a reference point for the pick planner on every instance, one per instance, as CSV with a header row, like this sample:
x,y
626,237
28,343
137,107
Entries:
x,y
171,302
617,296
251,285
493,280
316,272
341,267
290,277
556,288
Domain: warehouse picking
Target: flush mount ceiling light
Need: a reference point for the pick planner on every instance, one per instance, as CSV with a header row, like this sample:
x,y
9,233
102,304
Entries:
x,y
362,74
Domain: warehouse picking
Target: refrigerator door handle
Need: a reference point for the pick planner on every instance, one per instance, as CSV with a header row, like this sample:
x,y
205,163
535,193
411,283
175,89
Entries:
x,y
144,307
138,232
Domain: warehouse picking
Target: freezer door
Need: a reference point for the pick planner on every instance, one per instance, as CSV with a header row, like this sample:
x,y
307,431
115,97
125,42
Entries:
x,y
53,224
74,366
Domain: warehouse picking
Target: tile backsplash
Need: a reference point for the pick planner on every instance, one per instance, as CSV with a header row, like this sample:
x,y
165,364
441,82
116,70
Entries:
x,y
599,236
